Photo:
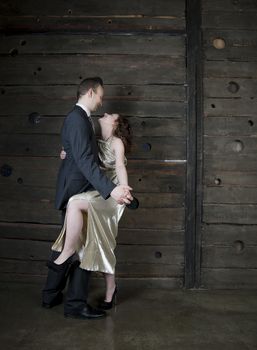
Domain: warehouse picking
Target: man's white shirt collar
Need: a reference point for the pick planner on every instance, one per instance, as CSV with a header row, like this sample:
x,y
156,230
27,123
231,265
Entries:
x,y
84,108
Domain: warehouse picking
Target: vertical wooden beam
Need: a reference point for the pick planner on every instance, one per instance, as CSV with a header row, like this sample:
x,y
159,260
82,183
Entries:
x,y
194,145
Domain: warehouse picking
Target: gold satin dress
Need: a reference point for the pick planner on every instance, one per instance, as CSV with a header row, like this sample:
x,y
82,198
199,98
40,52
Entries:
x,y
100,227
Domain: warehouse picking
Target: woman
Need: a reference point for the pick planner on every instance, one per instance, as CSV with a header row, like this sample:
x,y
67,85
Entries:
x,y
98,218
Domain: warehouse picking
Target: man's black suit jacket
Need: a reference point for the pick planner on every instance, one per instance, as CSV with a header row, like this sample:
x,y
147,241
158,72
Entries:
x,y
79,171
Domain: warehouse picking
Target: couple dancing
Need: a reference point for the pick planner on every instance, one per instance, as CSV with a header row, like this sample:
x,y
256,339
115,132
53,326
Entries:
x,y
92,196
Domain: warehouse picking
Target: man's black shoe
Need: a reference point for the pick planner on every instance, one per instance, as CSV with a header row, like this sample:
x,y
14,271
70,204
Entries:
x,y
88,312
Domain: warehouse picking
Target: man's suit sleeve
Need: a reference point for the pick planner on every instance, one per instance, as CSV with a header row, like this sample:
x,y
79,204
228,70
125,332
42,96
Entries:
x,y
82,150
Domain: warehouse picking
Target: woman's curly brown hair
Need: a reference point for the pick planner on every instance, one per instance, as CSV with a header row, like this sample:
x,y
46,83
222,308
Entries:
x,y
124,132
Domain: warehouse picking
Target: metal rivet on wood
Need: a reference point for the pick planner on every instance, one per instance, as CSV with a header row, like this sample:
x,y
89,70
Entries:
x,y
250,122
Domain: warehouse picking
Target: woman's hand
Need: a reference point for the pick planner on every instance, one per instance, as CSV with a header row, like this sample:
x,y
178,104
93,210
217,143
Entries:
x,y
62,154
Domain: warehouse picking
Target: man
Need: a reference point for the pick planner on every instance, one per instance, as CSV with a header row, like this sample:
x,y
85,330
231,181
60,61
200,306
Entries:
x,y
79,172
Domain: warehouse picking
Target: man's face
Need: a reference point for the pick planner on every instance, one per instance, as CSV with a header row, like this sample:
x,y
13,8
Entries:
x,y
97,98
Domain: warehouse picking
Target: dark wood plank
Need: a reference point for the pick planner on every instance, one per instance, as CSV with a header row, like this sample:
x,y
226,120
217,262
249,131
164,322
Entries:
x,y
224,87
90,8
66,94
125,107
239,278
229,257
232,163
167,283
129,69
229,195
122,269
194,145
43,212
230,178
230,214
230,107
225,145
43,232
240,45
20,124
230,20
229,234
147,200
230,69
229,126
39,145
157,175
128,24
35,251
228,5
156,45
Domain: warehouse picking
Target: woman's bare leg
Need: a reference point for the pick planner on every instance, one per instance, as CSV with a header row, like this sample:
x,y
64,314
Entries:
x,y
74,224
110,286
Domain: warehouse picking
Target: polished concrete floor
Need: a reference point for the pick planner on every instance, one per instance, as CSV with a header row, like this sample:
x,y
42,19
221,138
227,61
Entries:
x,y
143,319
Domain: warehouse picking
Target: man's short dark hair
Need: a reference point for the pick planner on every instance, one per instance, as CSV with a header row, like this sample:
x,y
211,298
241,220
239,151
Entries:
x,y
88,83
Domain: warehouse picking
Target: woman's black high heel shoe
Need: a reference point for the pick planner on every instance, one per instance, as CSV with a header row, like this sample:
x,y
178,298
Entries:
x,y
107,305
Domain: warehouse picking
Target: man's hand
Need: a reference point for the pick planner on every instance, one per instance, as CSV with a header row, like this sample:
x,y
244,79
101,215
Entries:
x,y
62,154
121,194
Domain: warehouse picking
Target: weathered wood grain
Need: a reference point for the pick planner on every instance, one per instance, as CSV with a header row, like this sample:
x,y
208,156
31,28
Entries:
x,y
227,235
235,163
230,107
156,45
229,126
122,269
229,145
157,175
53,94
36,251
131,236
230,178
90,8
240,45
228,194
229,257
230,214
221,87
71,69
230,69
141,126
124,107
43,212
228,5
230,20
229,278
40,145
147,200
128,24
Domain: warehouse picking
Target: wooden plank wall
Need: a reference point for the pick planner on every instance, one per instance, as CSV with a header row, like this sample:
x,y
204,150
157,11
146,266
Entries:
x,y
138,48
229,235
